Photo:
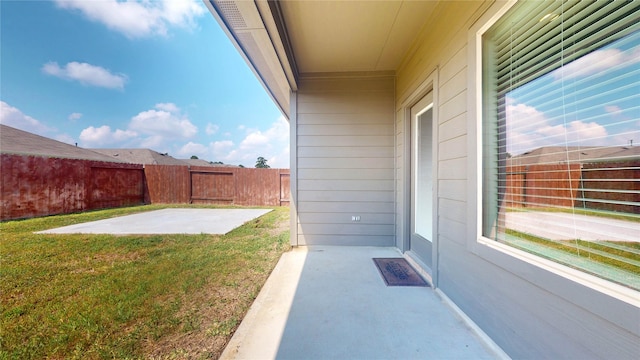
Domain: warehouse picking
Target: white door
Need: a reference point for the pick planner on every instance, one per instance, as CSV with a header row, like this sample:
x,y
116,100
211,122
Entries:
x,y
421,239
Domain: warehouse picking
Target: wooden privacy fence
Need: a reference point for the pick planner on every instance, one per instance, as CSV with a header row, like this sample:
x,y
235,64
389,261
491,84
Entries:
x,y
600,192
612,186
542,185
38,186
170,184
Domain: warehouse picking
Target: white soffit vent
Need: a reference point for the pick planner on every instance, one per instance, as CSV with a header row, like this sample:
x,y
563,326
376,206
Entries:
x,y
231,14
245,26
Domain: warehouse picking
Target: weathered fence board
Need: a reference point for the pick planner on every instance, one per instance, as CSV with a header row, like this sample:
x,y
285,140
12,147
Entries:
x,y
167,184
612,186
555,185
217,185
34,186
285,188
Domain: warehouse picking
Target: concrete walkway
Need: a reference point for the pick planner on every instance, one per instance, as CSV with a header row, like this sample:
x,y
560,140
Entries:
x,y
332,303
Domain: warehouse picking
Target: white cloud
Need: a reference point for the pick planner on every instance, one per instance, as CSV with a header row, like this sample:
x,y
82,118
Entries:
x,y
13,117
155,142
254,140
137,19
529,128
92,137
212,129
272,144
191,148
578,131
222,151
167,124
156,129
86,74
596,62
75,116
168,107
575,133
613,109
279,130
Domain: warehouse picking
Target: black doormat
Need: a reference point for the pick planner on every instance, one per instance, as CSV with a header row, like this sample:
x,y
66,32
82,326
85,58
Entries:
x,y
398,272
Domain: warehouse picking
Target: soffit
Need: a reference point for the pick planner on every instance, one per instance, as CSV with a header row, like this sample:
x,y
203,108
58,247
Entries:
x,y
348,36
252,28
280,40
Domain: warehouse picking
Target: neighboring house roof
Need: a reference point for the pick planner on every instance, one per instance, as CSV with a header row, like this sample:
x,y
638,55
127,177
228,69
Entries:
x,y
579,154
140,156
201,162
15,141
284,41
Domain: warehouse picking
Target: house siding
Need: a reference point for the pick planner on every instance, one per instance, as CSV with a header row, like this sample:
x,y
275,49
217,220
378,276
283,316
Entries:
x,y
529,311
345,160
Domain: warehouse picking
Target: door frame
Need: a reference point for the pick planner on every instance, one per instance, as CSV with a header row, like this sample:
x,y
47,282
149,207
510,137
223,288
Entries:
x,y
422,129
425,87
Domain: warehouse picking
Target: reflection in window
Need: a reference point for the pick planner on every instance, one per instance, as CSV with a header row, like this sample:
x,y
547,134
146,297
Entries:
x,y
561,134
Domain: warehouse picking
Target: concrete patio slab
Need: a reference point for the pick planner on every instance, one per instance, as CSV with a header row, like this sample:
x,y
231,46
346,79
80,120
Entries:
x,y
167,221
566,226
332,303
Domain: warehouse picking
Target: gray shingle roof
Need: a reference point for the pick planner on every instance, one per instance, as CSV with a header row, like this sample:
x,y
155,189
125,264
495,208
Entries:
x,y
140,156
579,154
15,141
201,162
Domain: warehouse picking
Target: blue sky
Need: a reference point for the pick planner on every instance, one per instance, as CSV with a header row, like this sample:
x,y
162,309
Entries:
x,y
592,101
159,75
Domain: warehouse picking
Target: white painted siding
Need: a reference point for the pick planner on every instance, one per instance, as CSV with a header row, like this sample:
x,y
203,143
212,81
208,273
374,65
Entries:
x,y
345,161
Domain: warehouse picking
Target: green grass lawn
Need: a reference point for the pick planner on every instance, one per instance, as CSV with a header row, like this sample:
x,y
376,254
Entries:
x,y
624,257
151,296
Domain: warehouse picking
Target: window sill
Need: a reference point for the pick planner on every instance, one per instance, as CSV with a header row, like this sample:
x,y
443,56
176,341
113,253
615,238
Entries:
x,y
607,299
607,287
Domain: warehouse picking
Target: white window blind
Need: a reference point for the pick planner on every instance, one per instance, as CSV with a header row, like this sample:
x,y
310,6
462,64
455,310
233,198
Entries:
x,y
561,134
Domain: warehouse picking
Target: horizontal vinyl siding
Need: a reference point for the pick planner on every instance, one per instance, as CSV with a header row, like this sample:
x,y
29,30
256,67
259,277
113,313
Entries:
x,y
370,152
345,208
345,163
340,130
510,299
345,185
340,218
341,174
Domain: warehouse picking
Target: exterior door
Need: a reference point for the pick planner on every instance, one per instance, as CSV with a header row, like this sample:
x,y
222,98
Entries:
x,y
421,227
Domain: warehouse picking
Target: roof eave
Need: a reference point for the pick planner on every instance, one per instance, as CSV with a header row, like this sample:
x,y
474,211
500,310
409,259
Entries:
x,y
257,30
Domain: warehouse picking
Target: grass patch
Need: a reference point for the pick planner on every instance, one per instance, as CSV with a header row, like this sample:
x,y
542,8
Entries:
x,y
142,296
612,255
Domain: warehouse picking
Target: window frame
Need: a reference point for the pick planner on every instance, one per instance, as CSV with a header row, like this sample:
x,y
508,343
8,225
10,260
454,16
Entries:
x,y
593,293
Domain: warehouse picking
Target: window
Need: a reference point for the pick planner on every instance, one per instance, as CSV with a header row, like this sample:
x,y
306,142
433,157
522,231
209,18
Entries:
x,y
561,134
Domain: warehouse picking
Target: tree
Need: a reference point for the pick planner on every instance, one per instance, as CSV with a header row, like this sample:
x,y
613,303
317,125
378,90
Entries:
x,y
262,163
194,157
